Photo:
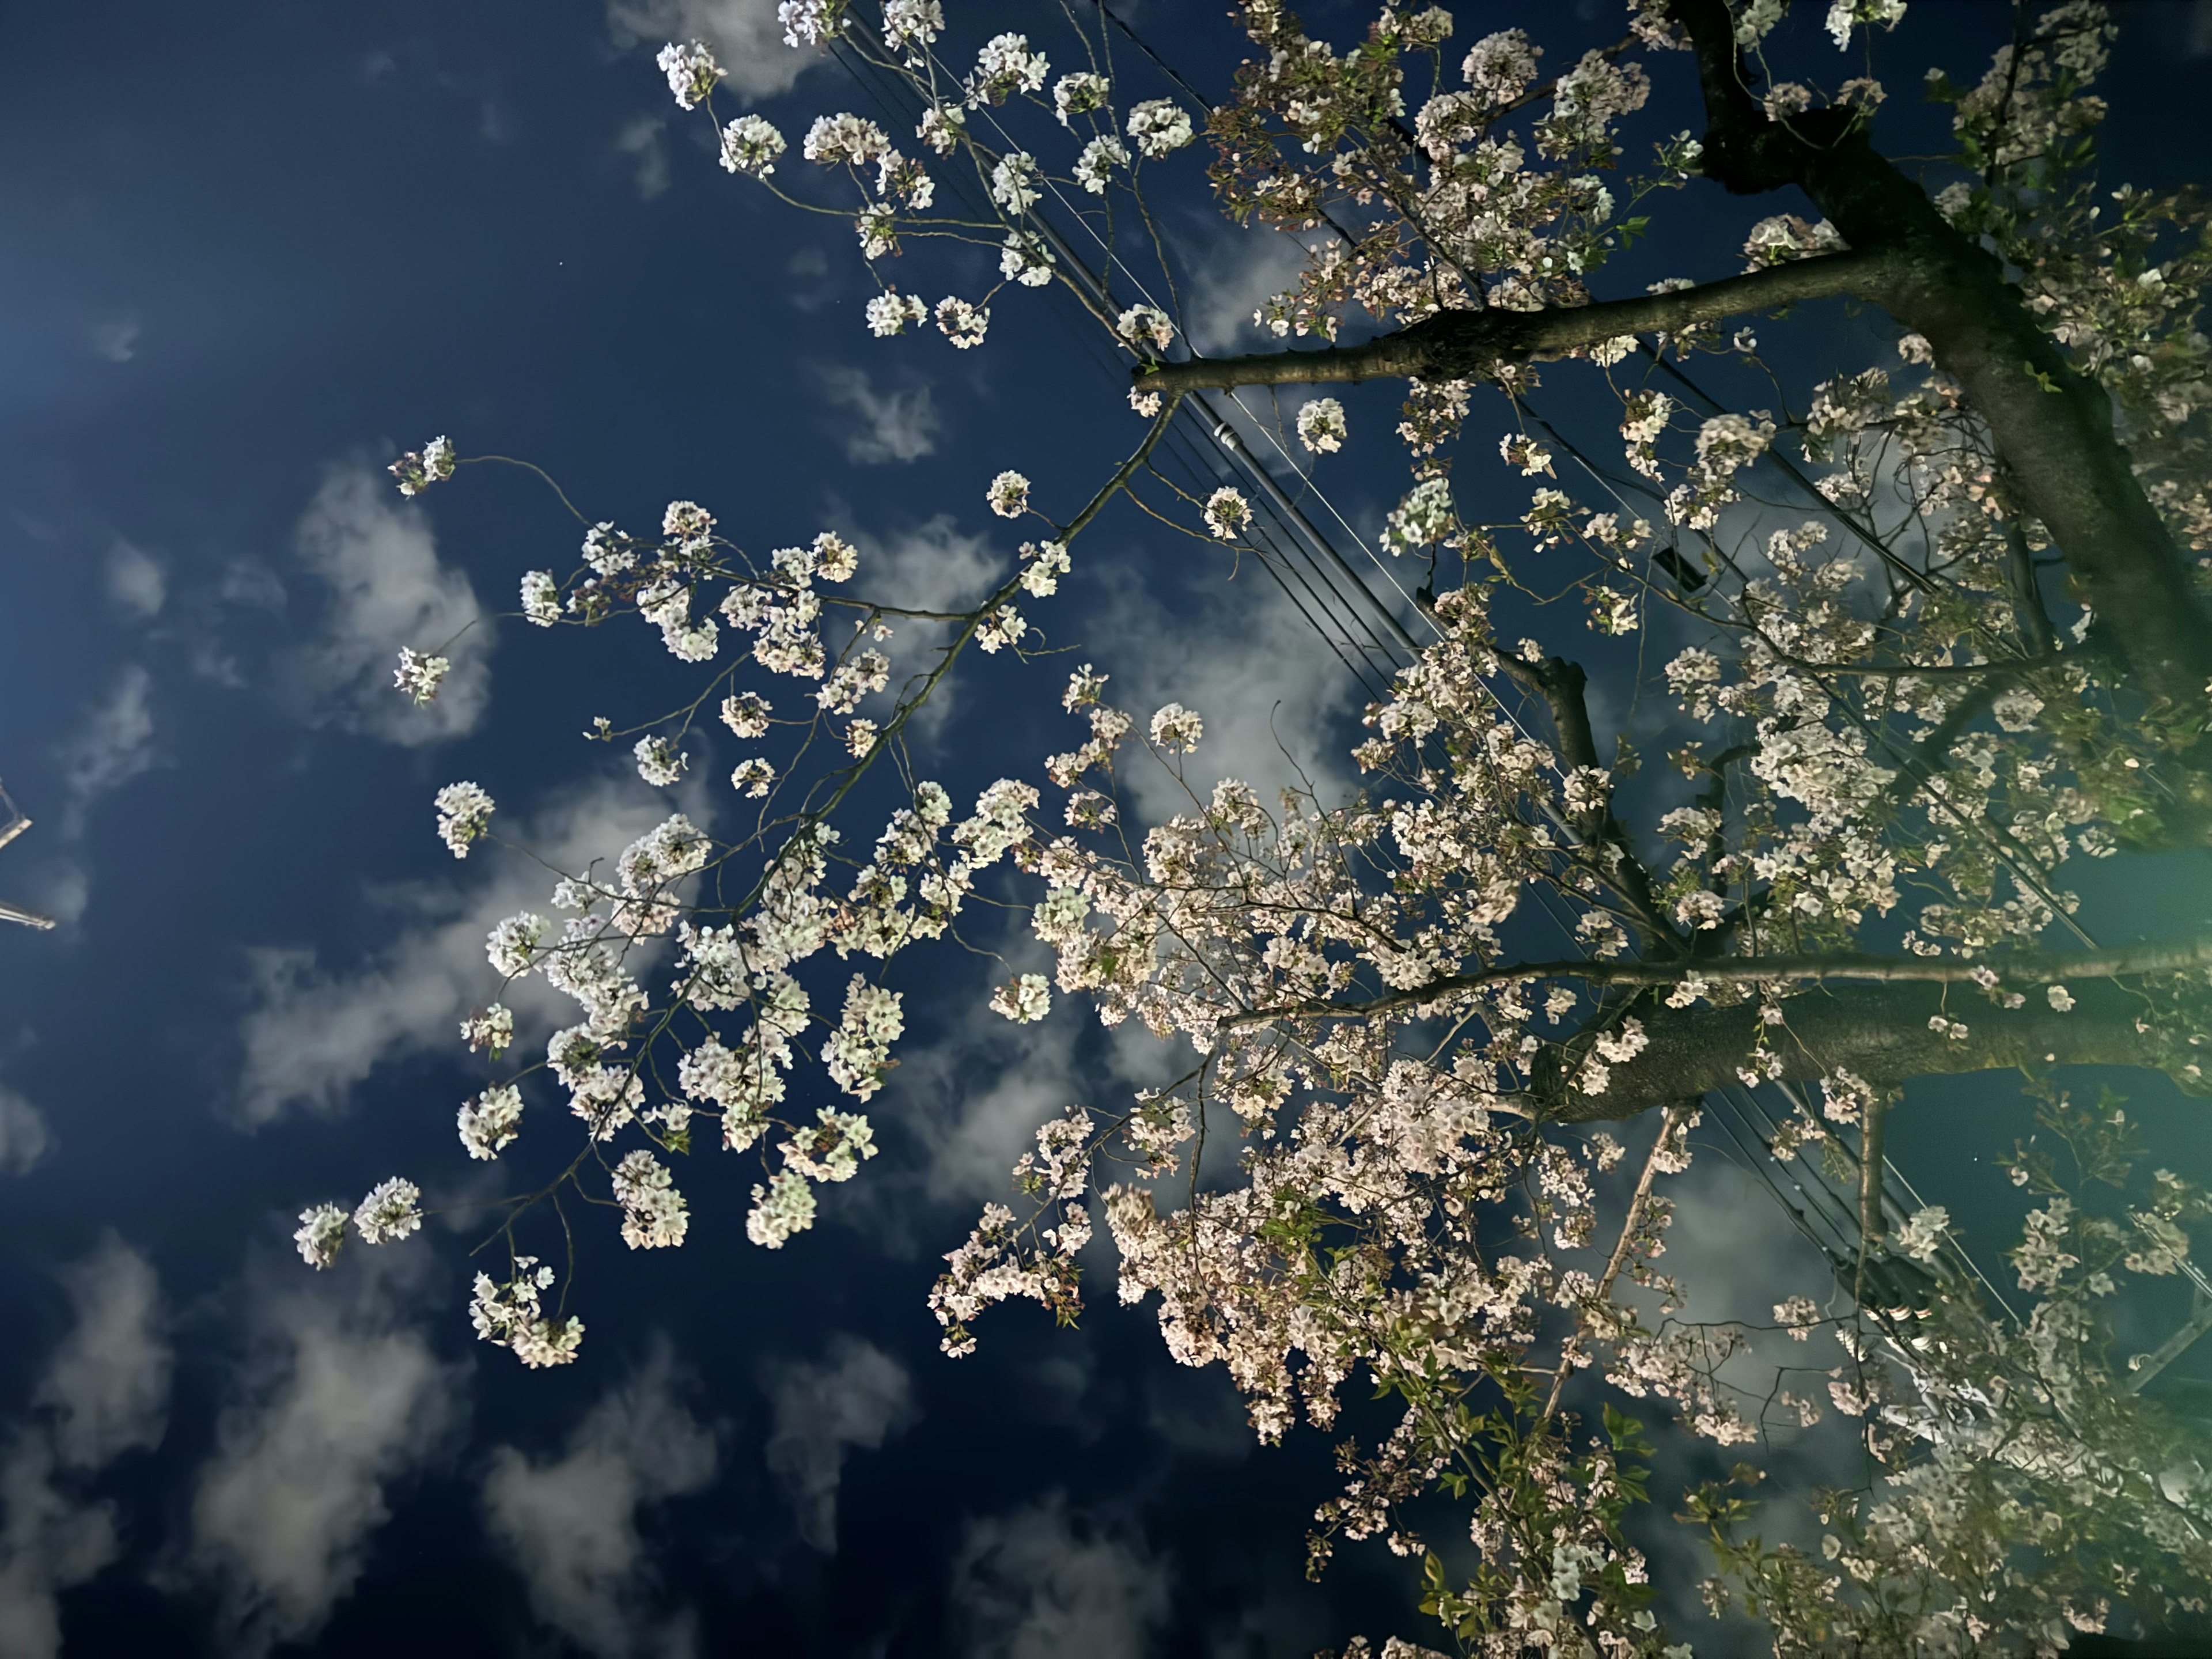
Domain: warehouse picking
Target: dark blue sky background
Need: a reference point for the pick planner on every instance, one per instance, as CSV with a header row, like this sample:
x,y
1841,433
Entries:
x,y
249,252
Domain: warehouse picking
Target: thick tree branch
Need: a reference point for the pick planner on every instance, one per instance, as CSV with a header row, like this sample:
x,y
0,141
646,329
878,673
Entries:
x,y
1471,345
1562,685
2053,426
1881,1032
2164,956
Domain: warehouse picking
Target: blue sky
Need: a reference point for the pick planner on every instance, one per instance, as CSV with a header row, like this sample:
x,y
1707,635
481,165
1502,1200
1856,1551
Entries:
x,y
251,252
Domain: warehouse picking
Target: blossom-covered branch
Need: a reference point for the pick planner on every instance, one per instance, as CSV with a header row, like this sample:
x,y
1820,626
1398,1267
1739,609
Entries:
x,y
1473,346
2018,967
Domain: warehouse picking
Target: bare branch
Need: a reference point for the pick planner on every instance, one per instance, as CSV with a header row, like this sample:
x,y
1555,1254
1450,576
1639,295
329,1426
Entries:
x,y
1880,1032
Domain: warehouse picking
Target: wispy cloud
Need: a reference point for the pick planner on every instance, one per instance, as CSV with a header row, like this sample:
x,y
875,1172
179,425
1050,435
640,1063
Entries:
x,y
641,142
1041,1585
340,1400
112,744
116,342
387,588
105,1392
311,1034
136,581
24,1137
569,1524
1236,274
898,425
1276,700
107,1385
746,37
855,1398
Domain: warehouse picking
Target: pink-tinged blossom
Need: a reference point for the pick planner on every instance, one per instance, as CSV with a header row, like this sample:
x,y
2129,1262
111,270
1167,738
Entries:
x,y
943,126
1146,326
963,324
746,713
1004,627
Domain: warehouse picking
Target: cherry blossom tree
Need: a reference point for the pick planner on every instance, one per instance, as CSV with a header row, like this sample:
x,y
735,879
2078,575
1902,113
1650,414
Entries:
x,y
1929,632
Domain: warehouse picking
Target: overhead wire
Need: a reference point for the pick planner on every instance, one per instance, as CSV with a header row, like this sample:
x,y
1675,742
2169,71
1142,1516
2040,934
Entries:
x,y
1324,600
1298,590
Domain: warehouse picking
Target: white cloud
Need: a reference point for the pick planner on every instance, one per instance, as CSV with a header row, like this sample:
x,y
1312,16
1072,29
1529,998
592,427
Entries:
x,y
112,744
747,40
108,1389
973,1094
640,140
900,425
569,1524
311,1034
1036,1585
107,1384
931,567
116,342
809,268
976,1095
252,585
24,1137
48,1542
1735,1253
387,589
1275,698
341,1400
857,1396
136,580
1238,272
